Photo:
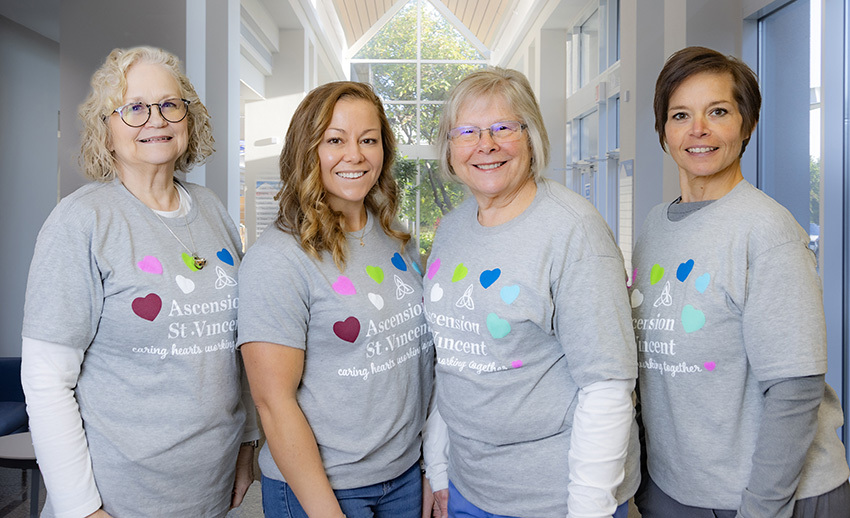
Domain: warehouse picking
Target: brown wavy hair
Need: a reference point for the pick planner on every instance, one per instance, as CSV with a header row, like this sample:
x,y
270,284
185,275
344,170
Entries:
x,y
108,85
695,60
304,210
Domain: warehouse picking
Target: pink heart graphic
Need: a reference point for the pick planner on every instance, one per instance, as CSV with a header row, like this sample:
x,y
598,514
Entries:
x,y
709,366
516,364
150,264
347,329
344,286
432,270
147,307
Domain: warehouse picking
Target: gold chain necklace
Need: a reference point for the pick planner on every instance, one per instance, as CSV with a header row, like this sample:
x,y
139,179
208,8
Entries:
x,y
200,262
360,237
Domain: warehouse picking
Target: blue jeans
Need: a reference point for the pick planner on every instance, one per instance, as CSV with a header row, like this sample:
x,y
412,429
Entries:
x,y
460,507
400,497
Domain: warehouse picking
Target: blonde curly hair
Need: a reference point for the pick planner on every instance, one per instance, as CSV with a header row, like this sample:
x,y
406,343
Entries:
x,y
304,210
108,86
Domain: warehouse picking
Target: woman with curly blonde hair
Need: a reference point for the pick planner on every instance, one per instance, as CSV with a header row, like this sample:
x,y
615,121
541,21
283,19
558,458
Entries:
x,y
134,390
331,321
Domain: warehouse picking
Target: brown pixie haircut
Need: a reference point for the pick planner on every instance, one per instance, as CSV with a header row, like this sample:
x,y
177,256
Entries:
x,y
304,210
695,60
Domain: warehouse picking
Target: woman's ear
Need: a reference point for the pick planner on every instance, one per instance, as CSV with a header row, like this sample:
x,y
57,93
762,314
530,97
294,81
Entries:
x,y
752,130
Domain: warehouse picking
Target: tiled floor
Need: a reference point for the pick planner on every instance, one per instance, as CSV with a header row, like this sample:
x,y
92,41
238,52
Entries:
x,y
15,493
15,497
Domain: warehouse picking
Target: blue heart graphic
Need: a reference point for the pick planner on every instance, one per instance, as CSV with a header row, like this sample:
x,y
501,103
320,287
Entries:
x,y
225,256
488,277
684,270
398,262
509,293
702,282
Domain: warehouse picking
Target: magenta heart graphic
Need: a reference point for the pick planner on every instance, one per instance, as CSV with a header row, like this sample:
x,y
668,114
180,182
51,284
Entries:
x,y
709,366
347,329
147,307
432,270
150,264
344,286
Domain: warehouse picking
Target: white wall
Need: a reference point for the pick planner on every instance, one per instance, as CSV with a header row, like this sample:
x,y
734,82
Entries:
x,y
641,58
651,30
29,97
83,48
269,118
553,103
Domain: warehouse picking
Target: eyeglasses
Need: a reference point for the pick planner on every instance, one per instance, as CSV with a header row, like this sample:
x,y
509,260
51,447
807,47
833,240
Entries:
x,y
505,131
137,114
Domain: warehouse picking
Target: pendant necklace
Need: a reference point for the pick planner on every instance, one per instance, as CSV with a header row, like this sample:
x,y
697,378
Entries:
x,y
200,262
360,237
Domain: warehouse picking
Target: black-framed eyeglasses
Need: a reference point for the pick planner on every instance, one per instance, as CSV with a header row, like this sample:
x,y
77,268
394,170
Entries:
x,y
504,131
137,114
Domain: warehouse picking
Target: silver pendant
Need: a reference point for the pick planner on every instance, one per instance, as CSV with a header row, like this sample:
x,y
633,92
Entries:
x,y
200,262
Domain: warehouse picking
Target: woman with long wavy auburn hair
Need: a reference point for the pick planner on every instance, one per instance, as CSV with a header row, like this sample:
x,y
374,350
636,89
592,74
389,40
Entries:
x,y
331,321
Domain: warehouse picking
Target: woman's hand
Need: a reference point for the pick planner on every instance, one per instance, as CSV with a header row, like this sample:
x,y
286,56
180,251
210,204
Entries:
x,y
441,504
244,474
427,497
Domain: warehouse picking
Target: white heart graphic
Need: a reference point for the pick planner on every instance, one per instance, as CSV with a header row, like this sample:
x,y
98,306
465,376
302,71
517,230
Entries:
x,y
376,300
637,298
186,285
436,293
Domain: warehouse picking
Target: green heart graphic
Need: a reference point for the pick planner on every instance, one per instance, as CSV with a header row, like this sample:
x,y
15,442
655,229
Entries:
x,y
190,261
656,274
376,273
460,272
498,327
692,319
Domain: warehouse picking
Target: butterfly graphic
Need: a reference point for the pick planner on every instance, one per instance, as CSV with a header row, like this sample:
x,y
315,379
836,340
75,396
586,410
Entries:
x,y
401,289
223,280
466,300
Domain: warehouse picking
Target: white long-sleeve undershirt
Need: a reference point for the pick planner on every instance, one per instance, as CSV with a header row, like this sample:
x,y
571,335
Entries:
x,y
598,447
49,374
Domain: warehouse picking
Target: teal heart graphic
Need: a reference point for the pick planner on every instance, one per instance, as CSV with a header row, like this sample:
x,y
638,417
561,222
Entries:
x,y
692,319
509,293
701,282
498,327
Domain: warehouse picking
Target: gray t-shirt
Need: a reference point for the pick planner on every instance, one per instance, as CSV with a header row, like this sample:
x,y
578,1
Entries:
x,y
159,390
723,299
523,315
368,365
